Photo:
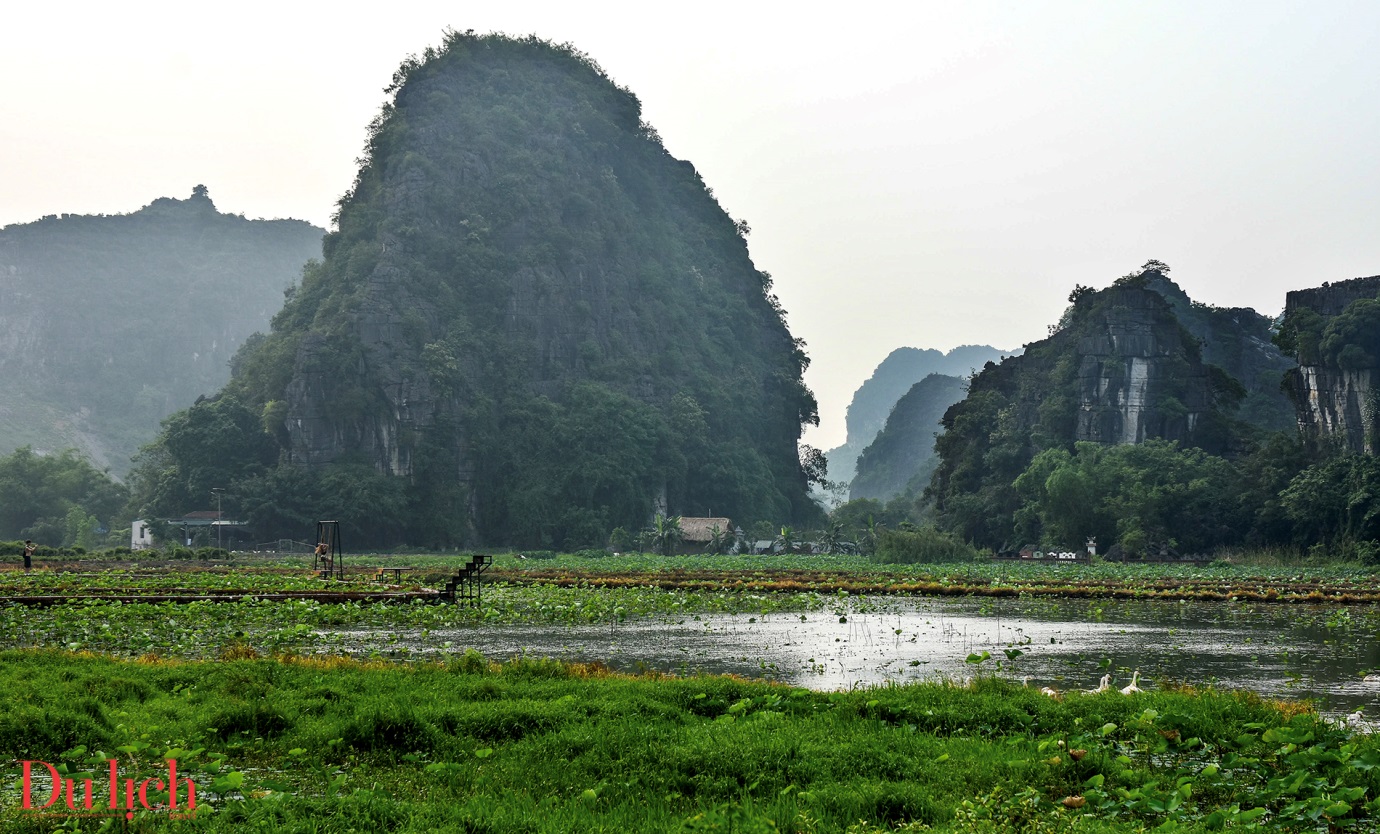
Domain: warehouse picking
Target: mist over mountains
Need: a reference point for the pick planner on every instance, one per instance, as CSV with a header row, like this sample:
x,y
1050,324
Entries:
x,y
879,393
110,323
900,459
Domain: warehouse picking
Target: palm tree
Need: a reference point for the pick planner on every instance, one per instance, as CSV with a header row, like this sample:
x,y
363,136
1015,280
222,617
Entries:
x,y
666,533
867,542
785,540
718,540
831,540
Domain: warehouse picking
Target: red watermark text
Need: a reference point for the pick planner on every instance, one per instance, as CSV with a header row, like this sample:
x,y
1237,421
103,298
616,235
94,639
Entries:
x,y
116,796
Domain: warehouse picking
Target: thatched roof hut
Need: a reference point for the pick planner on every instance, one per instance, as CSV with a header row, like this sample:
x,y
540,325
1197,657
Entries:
x,y
699,530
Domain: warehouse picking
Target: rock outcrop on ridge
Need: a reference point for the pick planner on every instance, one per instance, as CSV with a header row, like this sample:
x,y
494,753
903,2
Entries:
x,y
110,323
1124,366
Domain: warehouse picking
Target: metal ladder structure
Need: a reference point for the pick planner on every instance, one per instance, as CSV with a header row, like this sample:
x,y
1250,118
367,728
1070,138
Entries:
x,y
328,561
467,584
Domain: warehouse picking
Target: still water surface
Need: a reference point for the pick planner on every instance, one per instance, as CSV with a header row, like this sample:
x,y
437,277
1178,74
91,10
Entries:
x,y
1290,651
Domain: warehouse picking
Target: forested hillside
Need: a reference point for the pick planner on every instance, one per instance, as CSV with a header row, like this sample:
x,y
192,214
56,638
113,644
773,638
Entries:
x,y
532,326
879,393
901,458
1120,426
110,323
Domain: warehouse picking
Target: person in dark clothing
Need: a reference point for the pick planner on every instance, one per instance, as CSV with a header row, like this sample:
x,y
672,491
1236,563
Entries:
x,y
29,548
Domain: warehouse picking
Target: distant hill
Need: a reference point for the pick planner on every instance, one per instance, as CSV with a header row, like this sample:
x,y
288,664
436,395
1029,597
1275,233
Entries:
x,y
1136,362
533,326
898,372
110,323
901,458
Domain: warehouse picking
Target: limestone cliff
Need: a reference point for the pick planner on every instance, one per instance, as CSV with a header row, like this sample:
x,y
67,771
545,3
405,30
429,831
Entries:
x,y
536,317
1140,374
1121,368
1332,329
1239,341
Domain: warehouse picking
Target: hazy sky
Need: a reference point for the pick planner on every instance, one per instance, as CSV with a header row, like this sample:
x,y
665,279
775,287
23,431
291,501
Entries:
x,y
926,174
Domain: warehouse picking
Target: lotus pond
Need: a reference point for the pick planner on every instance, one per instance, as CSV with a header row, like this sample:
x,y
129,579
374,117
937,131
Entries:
x,y
683,618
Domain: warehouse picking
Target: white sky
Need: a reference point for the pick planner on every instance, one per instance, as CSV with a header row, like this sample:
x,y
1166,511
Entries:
x,y
926,174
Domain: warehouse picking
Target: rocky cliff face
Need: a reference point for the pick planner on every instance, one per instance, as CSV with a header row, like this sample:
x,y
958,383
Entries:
x,y
534,310
1332,387
110,323
1336,402
1239,341
1140,375
1122,368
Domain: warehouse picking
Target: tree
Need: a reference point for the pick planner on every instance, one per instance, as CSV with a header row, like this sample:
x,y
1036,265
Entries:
x,y
666,534
815,466
785,540
37,492
1135,495
79,529
871,536
831,540
719,540
1336,501
214,444
1351,340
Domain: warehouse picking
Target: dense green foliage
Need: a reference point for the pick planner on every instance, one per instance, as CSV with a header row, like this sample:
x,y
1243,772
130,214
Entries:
x,y
1351,340
56,500
1347,341
221,444
468,745
923,545
1335,504
1131,495
901,458
110,323
533,318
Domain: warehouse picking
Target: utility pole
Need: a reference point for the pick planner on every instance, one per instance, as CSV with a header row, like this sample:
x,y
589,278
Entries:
x,y
218,491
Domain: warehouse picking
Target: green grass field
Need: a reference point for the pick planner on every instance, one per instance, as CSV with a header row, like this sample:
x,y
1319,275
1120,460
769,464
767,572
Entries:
x,y
281,734
536,746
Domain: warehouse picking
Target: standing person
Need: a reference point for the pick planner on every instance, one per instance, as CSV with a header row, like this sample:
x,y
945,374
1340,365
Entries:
x,y
29,548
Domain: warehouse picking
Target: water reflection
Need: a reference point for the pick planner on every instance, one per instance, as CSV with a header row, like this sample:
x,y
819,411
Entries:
x,y
1287,651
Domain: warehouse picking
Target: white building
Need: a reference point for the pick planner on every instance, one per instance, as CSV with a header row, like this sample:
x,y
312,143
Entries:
x,y
140,536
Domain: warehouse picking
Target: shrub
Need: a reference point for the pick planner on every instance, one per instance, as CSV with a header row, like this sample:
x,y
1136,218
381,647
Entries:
x,y
591,554
923,545
391,728
471,663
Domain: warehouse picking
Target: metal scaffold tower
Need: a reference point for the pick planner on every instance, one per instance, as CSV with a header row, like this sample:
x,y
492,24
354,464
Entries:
x,y
328,559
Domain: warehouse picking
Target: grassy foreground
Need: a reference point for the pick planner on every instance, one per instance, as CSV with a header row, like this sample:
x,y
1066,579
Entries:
x,y
332,745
